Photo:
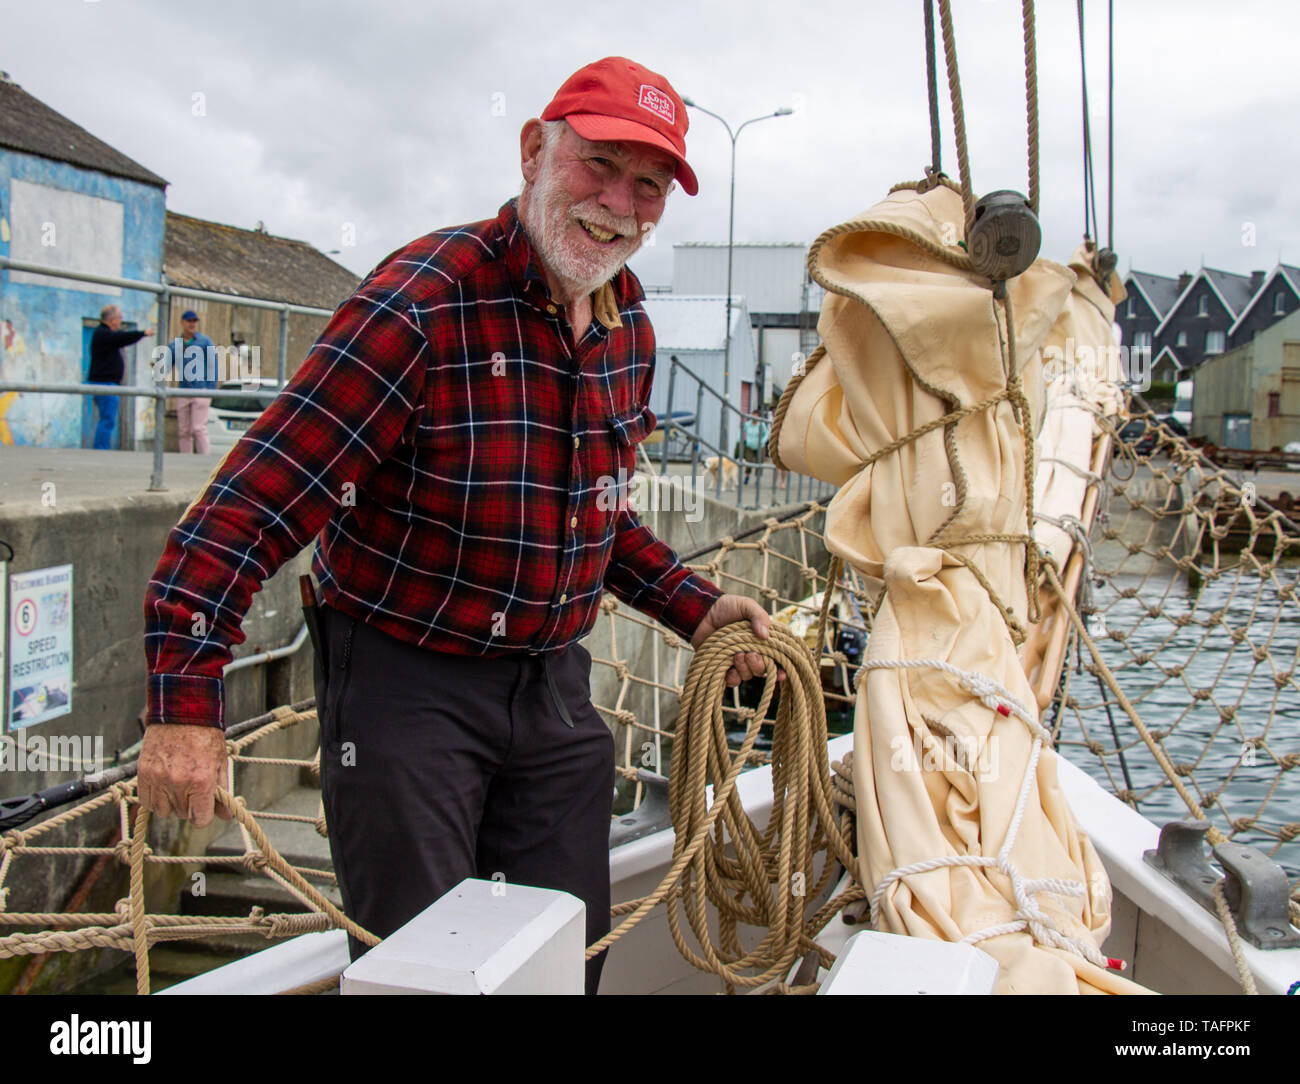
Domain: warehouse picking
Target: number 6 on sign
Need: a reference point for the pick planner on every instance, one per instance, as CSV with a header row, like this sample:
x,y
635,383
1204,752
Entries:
x,y
25,617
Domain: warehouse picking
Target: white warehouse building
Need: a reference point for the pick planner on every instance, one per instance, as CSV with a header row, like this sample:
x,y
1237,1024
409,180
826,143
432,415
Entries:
x,y
690,329
782,301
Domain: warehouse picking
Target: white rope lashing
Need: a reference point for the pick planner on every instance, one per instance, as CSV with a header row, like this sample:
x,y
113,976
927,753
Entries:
x,y
1029,916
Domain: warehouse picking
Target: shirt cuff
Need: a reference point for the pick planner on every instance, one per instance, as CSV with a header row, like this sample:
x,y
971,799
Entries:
x,y
692,600
187,699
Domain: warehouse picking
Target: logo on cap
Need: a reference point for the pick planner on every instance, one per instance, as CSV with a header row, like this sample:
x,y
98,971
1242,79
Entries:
x,y
655,100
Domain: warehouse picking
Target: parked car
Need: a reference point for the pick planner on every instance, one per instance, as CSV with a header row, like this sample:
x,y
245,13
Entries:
x,y
1171,424
1145,436
230,418
1139,434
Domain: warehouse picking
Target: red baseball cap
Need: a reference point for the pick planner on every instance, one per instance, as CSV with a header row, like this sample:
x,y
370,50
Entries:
x,y
616,100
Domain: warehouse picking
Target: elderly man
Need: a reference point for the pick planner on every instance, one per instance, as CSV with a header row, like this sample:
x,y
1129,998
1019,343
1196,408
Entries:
x,y
107,366
452,438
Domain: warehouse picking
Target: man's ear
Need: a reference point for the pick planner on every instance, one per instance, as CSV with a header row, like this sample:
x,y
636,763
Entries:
x,y
530,149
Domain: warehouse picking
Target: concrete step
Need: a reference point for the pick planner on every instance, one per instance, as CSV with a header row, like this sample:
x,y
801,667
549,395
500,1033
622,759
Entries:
x,y
234,893
297,841
177,961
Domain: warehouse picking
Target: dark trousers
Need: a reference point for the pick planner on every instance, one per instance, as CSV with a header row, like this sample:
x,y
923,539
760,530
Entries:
x,y
438,767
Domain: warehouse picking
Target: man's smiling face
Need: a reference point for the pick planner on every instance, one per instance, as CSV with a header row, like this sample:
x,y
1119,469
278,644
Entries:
x,y
588,206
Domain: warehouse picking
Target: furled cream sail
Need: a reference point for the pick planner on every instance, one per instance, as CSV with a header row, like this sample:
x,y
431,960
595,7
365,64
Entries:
x,y
946,725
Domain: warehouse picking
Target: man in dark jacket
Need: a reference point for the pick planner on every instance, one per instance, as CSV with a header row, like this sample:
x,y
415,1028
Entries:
x,y
107,366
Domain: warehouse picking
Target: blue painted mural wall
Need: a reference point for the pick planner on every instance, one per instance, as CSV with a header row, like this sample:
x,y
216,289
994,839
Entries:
x,y
41,327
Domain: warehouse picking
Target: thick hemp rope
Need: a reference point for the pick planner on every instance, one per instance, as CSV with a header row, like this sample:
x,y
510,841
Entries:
x,y
770,875
958,110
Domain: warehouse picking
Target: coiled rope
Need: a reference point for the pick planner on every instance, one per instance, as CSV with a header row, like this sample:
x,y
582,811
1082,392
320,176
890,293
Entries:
x,y
769,877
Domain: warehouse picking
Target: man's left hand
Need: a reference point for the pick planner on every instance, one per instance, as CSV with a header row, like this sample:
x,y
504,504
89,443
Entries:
x,y
728,609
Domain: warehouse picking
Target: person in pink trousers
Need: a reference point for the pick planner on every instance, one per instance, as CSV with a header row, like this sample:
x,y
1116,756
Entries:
x,y
195,361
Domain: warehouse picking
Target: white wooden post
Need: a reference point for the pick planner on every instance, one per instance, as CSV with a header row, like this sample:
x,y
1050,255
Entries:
x,y
482,937
886,963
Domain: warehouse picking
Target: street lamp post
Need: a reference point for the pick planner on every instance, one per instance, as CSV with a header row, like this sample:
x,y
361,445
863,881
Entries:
x,y
784,111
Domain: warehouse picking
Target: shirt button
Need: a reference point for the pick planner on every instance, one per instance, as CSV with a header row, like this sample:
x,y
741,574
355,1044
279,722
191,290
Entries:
x,y
564,599
575,442
573,522
551,309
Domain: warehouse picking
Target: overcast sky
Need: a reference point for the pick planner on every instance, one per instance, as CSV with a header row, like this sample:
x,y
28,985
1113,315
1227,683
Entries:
x,y
400,117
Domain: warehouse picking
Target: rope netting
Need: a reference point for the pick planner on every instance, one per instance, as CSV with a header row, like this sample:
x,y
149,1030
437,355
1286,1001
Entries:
x,y
777,562
1178,692
1190,596
132,926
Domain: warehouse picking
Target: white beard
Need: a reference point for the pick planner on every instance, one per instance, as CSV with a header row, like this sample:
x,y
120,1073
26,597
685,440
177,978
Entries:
x,y
580,263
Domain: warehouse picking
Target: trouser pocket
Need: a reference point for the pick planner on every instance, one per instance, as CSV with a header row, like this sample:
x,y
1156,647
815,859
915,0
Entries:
x,y
341,629
556,698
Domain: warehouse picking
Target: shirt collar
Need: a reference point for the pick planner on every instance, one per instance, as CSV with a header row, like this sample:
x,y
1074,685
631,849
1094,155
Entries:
x,y
525,268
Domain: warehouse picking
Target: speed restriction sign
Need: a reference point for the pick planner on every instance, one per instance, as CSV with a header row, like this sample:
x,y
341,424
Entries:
x,y
40,646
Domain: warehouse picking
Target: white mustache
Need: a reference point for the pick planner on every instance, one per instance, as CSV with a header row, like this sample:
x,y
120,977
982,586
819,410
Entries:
x,y
599,220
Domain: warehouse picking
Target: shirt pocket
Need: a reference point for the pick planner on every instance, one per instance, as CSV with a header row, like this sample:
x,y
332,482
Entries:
x,y
627,430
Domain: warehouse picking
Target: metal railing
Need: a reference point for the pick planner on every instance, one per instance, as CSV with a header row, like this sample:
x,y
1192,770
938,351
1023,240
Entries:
x,y
783,487
160,392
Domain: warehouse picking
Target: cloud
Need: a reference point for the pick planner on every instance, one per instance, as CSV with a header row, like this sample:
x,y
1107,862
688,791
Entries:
x,y
404,117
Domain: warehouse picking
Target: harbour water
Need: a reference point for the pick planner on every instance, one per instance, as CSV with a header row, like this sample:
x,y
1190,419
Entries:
x,y
1213,669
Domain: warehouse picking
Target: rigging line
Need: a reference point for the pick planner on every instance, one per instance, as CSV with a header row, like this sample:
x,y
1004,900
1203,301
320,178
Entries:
x,y
958,112
1083,73
1090,228
1031,99
695,555
1110,125
1119,748
1089,182
1059,701
932,80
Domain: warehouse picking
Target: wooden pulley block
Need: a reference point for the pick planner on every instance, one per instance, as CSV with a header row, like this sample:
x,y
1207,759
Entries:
x,y
1005,235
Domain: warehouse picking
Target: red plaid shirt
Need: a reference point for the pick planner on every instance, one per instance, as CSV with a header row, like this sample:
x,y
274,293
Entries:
x,y
462,460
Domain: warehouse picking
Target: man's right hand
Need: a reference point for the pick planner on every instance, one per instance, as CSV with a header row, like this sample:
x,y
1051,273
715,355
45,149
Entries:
x,y
180,769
